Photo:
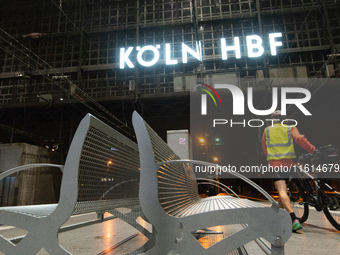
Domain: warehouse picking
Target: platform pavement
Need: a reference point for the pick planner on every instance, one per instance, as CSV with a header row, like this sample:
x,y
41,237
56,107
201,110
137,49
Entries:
x,y
116,237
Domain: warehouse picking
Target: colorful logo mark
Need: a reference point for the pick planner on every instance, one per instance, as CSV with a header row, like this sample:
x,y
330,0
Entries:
x,y
208,92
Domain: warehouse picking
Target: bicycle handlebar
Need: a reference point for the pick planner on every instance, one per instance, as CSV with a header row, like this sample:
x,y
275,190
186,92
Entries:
x,y
324,154
307,155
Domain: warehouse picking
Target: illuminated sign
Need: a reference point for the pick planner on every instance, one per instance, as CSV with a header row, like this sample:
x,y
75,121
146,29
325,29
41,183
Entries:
x,y
254,49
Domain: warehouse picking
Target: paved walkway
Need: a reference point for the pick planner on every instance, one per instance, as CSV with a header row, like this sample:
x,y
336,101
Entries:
x,y
116,237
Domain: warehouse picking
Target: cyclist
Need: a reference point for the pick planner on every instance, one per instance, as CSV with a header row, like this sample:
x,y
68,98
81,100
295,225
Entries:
x,y
278,146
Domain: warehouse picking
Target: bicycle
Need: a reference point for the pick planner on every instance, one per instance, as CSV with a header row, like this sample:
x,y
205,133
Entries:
x,y
323,194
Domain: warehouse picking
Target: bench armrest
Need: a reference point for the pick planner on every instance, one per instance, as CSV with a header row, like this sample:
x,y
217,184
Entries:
x,y
25,167
273,202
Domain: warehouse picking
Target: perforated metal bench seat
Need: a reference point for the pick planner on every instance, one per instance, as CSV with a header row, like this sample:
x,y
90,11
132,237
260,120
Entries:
x,y
44,210
37,211
101,173
104,205
215,203
169,199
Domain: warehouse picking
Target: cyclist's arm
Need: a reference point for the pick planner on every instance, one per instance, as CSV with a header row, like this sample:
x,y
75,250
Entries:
x,y
302,141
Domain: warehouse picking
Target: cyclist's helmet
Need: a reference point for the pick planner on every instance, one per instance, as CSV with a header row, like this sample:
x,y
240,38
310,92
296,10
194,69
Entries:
x,y
277,113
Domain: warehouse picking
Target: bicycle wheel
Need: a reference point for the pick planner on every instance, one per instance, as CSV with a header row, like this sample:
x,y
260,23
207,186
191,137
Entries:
x,y
331,201
297,199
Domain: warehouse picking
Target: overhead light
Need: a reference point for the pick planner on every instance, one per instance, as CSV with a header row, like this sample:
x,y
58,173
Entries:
x,y
19,74
60,77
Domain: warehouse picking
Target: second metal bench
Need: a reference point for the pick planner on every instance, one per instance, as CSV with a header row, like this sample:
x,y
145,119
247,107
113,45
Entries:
x,y
169,199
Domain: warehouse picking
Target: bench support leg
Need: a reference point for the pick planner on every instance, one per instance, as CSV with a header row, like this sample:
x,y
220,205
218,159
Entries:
x,y
100,216
6,246
56,249
277,250
152,240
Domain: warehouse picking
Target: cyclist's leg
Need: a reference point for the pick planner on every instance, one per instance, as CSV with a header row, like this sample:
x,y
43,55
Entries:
x,y
284,200
281,204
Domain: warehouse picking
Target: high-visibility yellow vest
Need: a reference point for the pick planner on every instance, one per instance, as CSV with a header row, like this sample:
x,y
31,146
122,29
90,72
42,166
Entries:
x,y
279,141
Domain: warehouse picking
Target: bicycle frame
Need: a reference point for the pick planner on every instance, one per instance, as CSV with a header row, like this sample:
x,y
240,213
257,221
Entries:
x,y
314,195
307,189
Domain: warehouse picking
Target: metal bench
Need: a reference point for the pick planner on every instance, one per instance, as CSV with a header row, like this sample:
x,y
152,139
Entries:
x,y
169,199
101,173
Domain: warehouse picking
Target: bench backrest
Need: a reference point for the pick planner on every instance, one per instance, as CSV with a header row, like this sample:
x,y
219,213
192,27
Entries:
x,y
101,170
177,186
